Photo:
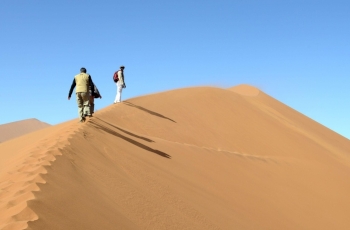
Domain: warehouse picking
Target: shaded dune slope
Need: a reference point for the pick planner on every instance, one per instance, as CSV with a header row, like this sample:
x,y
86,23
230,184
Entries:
x,y
196,158
18,128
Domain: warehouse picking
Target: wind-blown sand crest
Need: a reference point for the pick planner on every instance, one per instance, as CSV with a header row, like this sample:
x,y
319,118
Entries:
x,y
194,158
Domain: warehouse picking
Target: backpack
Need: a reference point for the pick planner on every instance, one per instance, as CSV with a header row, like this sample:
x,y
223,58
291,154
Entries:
x,y
115,77
96,93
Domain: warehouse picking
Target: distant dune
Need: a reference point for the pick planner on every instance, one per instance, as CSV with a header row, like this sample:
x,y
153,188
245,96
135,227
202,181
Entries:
x,y
195,158
18,128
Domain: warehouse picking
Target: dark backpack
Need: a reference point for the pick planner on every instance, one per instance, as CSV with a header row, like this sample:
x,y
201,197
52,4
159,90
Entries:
x,y
115,77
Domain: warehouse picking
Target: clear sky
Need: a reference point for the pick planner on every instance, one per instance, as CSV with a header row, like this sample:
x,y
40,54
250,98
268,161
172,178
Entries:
x,y
297,51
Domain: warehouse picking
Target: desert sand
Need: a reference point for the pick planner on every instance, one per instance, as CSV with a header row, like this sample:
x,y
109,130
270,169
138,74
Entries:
x,y
18,128
194,158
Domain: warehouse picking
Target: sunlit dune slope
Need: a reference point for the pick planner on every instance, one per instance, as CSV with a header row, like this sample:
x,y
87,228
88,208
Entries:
x,y
18,128
194,158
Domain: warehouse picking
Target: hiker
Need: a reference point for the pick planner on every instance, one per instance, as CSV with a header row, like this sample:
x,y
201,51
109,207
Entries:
x,y
83,82
120,82
94,93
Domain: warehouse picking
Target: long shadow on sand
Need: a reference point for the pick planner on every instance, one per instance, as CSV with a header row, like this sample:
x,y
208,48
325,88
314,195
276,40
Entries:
x,y
148,111
124,131
138,144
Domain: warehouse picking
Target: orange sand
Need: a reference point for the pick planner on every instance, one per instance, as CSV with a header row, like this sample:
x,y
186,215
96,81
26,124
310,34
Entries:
x,y
15,129
195,158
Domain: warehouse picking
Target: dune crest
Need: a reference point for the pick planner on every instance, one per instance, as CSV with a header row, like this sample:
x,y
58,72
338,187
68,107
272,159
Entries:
x,y
245,90
21,171
18,128
196,158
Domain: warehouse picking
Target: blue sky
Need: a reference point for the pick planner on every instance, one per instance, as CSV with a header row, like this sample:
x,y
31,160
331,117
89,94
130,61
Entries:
x,y
296,51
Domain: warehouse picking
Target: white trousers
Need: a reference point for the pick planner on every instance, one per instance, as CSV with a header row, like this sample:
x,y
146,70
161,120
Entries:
x,y
118,97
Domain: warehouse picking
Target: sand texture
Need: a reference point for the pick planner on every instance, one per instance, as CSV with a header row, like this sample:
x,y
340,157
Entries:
x,y
15,129
199,158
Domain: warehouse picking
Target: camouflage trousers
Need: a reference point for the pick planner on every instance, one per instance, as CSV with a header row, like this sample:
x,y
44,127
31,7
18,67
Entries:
x,y
83,104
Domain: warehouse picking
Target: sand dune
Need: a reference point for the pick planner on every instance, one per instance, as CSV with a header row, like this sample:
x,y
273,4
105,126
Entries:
x,y
194,158
18,128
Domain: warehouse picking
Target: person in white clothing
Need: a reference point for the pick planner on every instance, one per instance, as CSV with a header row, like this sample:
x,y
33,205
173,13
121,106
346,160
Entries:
x,y
120,84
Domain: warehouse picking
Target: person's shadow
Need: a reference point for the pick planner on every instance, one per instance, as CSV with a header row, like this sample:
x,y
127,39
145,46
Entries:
x,y
108,128
147,111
